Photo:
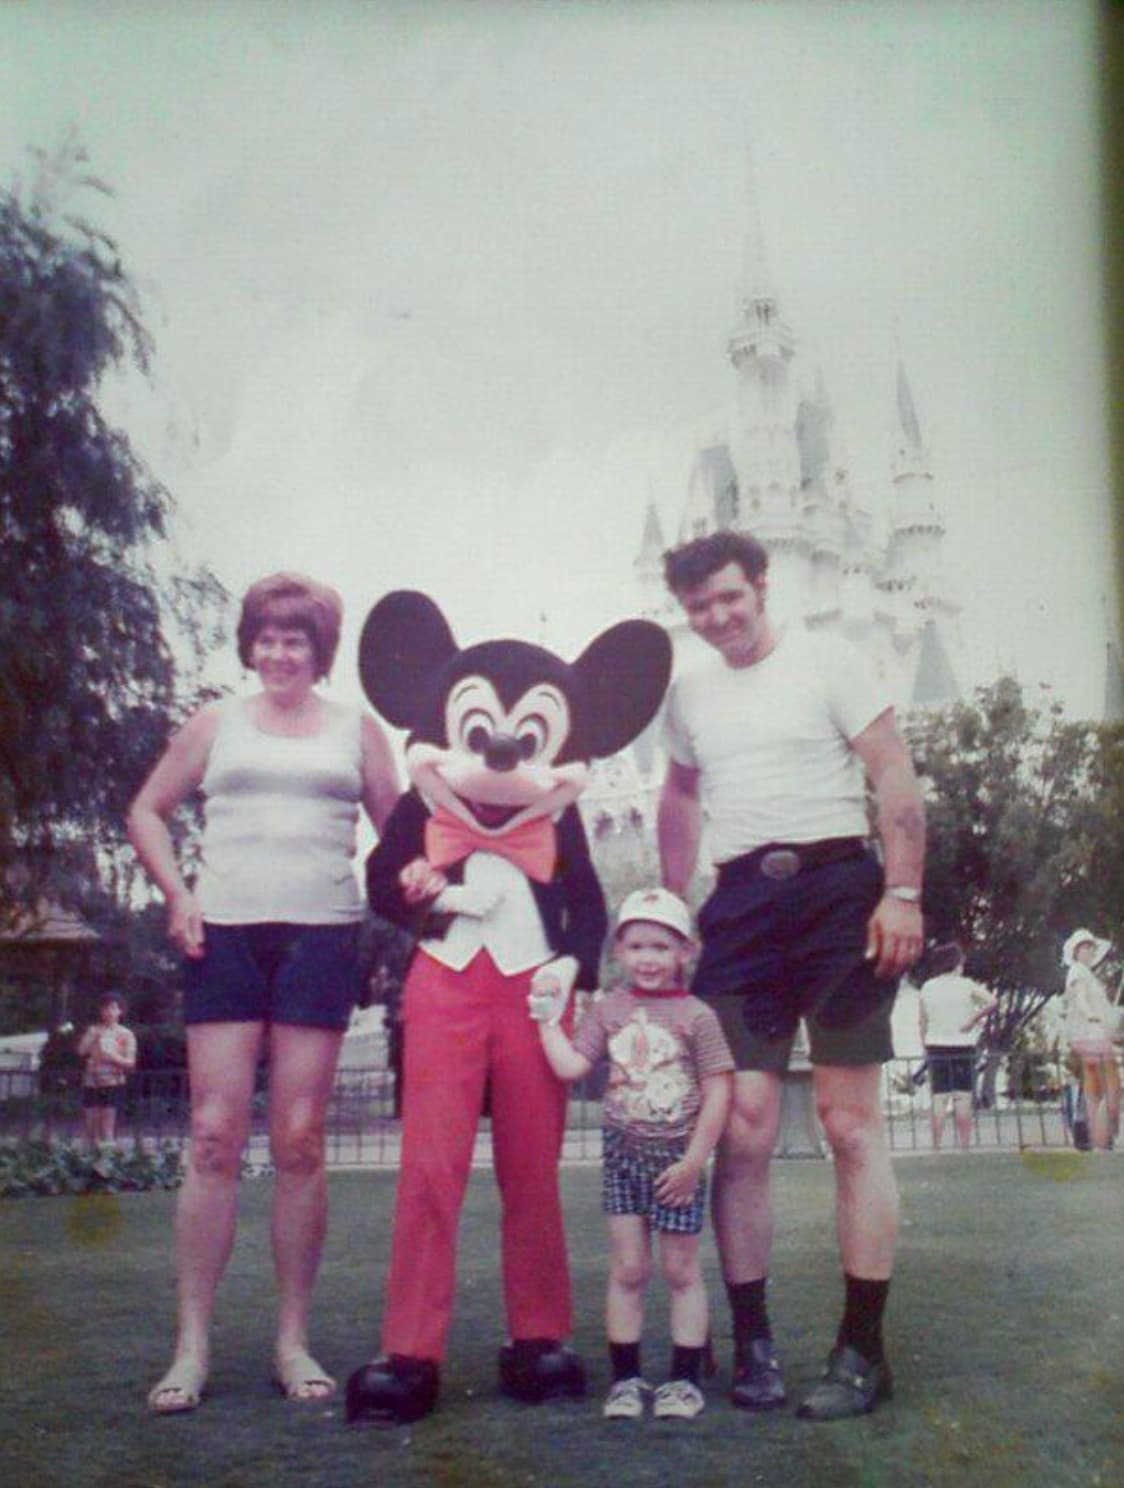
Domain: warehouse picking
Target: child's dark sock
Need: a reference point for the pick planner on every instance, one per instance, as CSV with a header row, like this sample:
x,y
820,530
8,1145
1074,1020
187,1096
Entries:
x,y
624,1360
861,1328
686,1363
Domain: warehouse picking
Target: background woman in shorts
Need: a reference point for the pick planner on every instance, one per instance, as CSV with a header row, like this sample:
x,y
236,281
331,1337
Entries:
x,y
1091,1021
108,1051
270,935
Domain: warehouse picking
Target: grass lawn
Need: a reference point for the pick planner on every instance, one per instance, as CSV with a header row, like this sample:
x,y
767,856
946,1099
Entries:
x,y
1005,1331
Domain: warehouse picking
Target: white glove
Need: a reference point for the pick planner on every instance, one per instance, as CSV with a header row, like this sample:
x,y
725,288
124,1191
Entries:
x,y
475,900
551,986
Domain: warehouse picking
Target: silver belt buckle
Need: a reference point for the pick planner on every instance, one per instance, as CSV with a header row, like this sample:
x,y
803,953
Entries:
x,y
780,863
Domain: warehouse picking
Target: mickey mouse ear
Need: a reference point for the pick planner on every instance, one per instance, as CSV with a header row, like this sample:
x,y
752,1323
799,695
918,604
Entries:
x,y
625,673
405,642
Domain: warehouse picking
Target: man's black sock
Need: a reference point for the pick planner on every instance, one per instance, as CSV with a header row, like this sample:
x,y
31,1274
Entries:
x,y
747,1307
861,1328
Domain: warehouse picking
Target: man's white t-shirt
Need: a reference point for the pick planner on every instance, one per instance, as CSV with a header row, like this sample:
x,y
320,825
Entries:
x,y
950,1000
772,742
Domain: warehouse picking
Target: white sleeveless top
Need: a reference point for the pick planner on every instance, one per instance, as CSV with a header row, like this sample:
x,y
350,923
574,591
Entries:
x,y
281,815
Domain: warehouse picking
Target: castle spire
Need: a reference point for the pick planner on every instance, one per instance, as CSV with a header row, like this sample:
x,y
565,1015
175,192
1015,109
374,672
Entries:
x,y
761,349
907,413
757,282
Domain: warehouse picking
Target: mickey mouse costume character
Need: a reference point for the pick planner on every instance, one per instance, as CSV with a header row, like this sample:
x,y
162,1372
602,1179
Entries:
x,y
485,859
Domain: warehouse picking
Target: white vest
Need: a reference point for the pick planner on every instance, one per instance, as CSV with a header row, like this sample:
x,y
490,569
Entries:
x,y
511,932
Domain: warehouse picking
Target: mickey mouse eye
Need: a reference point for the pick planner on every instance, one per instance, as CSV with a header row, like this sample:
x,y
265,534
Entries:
x,y
476,731
532,736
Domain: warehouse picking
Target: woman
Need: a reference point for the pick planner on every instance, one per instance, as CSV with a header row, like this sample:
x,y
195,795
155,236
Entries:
x,y
270,938
1090,1025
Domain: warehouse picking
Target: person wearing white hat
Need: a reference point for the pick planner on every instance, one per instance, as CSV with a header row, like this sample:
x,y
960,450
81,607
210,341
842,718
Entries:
x,y
1091,1021
664,1109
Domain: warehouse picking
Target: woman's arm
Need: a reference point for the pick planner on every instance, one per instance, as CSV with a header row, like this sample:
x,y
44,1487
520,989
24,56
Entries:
x,y
380,774
178,773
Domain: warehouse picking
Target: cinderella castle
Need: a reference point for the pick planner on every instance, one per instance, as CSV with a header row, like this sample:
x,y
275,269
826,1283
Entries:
x,y
870,570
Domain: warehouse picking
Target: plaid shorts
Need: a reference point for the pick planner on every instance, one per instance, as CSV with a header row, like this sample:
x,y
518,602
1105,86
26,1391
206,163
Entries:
x,y
630,1168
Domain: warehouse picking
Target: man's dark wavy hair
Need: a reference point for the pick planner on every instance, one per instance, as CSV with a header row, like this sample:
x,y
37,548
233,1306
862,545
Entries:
x,y
692,563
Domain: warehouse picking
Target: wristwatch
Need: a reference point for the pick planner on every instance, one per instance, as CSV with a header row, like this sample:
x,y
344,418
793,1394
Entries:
x,y
904,893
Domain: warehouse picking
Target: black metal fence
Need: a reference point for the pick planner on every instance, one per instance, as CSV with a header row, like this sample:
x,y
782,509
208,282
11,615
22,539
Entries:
x,y
1022,1102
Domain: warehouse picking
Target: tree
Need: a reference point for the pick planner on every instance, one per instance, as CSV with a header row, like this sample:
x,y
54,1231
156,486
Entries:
x,y
96,651
1022,841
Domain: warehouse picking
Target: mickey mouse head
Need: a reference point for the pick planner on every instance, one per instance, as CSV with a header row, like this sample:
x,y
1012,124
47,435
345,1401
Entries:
x,y
503,731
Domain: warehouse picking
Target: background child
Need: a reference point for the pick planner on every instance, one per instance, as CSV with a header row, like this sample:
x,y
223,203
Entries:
x,y
664,1110
109,1052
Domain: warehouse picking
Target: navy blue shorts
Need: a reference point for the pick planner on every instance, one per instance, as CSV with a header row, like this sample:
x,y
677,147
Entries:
x,y
778,950
952,1069
274,973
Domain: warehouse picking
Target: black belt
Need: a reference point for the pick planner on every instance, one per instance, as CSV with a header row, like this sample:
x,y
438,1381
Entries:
x,y
781,860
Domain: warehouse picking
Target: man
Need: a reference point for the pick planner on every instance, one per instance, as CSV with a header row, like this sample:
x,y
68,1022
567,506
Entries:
x,y
773,740
951,1007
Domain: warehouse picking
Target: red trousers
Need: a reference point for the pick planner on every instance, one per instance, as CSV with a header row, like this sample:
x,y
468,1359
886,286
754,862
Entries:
x,y
463,1028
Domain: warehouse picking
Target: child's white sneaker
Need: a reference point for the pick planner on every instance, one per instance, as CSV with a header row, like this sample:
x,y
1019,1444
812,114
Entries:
x,y
625,1400
678,1400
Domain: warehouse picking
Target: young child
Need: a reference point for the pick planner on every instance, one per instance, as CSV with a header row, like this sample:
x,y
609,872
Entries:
x,y
109,1052
665,1106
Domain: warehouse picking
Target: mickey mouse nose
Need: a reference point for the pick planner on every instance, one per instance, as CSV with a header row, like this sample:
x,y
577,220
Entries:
x,y
502,752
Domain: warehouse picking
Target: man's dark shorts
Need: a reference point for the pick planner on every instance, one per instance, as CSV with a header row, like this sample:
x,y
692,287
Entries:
x,y
951,1069
775,950
274,973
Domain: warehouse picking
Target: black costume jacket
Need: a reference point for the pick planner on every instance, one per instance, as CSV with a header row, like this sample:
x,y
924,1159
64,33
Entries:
x,y
571,906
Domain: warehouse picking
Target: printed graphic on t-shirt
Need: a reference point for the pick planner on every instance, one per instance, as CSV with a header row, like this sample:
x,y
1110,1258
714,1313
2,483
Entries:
x,y
650,1080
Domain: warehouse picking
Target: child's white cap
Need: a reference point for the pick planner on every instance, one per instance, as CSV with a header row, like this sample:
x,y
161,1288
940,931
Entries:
x,y
657,907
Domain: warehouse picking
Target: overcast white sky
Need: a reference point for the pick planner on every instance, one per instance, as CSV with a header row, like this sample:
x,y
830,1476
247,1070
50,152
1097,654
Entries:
x,y
441,292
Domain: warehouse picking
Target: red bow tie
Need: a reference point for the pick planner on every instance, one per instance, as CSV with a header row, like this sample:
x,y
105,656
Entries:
x,y
532,846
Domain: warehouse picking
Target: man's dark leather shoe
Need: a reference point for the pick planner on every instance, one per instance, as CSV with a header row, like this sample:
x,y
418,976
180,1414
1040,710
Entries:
x,y
758,1383
851,1386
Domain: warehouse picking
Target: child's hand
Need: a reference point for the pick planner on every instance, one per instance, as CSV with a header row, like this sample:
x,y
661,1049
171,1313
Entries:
x,y
676,1185
550,990
542,999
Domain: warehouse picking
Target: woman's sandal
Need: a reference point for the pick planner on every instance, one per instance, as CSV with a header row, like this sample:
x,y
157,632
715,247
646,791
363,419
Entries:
x,y
300,1378
181,1389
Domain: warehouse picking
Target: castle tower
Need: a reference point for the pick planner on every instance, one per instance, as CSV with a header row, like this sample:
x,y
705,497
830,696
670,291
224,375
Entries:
x,y
763,448
656,603
914,582
865,564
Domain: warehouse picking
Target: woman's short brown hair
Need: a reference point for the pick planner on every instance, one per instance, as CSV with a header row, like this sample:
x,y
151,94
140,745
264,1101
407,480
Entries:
x,y
293,601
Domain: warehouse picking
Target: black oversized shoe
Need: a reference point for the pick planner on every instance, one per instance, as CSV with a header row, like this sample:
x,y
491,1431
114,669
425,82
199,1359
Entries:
x,y
758,1382
851,1386
534,1369
392,1391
